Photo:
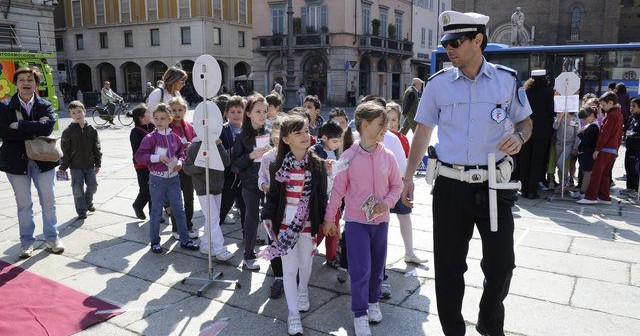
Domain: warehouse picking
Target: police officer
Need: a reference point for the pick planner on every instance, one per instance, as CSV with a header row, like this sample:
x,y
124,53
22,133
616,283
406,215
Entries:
x,y
479,108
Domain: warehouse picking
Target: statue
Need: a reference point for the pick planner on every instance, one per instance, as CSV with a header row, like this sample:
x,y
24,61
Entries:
x,y
518,32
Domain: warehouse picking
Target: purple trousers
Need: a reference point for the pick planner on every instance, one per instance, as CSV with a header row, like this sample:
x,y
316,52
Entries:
x,y
367,255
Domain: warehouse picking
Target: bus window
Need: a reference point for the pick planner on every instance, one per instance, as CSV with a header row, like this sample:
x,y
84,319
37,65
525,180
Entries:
x,y
591,79
518,62
621,66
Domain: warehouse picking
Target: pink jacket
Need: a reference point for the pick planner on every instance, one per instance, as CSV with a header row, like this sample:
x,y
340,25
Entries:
x,y
368,173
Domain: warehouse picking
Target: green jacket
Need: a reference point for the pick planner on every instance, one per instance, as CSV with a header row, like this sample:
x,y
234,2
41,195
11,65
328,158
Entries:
x,y
80,147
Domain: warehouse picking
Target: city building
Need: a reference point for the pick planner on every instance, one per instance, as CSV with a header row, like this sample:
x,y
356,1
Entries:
x,y
27,26
342,49
426,33
132,42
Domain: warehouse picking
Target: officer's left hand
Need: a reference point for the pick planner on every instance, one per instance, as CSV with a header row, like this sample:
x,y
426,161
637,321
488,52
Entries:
x,y
510,145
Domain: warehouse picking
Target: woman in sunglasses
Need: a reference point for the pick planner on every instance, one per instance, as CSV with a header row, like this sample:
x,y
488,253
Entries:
x,y
174,79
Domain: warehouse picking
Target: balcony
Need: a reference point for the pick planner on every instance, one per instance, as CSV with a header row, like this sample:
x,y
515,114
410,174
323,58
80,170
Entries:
x,y
385,46
301,42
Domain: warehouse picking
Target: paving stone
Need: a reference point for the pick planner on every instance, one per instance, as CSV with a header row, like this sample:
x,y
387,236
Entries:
x,y
544,240
606,249
635,275
91,241
49,265
105,328
623,300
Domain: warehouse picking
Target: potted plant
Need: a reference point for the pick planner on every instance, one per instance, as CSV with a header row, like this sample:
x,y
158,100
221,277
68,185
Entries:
x,y
392,31
297,25
375,27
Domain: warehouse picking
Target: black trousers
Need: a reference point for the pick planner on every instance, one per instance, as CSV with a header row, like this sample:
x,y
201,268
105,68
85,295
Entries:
x,y
143,189
532,164
630,166
187,196
231,192
457,208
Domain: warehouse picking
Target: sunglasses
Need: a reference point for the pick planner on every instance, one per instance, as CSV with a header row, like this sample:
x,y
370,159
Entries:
x,y
455,43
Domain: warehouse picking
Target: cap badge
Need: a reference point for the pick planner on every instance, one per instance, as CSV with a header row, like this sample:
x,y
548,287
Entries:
x,y
445,19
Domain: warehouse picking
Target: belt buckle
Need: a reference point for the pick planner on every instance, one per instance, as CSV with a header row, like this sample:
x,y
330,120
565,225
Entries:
x,y
475,175
458,167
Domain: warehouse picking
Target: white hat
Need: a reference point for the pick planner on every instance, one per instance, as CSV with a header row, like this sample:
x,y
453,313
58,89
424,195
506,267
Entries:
x,y
539,72
454,24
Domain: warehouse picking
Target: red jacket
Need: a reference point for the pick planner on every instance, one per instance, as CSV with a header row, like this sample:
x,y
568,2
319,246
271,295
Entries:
x,y
611,130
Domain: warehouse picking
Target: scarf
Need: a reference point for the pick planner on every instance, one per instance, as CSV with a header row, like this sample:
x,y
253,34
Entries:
x,y
288,238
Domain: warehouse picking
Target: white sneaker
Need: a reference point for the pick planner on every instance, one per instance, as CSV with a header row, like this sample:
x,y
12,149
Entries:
x,y
587,201
343,275
224,255
250,265
303,302
414,259
600,201
26,251
294,325
361,326
230,219
193,234
55,246
175,235
576,194
375,315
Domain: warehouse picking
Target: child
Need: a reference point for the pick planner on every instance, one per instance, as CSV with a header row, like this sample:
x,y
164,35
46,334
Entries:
x,y
312,104
366,211
566,148
328,147
231,192
632,144
248,148
184,130
274,102
214,195
264,181
162,151
588,139
81,152
296,203
403,212
606,151
143,126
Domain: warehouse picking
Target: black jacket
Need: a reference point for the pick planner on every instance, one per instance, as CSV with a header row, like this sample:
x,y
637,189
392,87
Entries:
x,y
80,147
13,155
588,139
632,141
541,101
135,137
241,164
276,201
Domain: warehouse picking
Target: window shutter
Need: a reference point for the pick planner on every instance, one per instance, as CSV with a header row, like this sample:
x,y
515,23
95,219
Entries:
x,y
323,17
304,15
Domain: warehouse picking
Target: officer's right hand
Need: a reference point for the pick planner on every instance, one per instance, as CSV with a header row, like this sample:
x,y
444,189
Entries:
x,y
407,192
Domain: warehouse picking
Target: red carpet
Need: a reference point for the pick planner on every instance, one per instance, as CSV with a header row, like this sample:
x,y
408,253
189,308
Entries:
x,y
33,305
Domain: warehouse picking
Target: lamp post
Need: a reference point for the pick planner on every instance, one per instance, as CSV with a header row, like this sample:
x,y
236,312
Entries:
x,y
290,100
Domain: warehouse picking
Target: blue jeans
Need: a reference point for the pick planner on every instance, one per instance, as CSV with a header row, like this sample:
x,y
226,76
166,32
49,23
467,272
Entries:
x,y
160,189
81,197
44,182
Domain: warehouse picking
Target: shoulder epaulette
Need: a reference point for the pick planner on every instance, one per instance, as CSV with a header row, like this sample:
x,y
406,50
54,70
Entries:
x,y
437,73
513,72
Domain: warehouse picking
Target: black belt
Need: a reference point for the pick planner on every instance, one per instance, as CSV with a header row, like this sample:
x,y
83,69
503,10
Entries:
x,y
464,168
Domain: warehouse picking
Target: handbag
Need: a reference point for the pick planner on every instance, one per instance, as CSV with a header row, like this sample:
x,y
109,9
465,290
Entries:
x,y
43,148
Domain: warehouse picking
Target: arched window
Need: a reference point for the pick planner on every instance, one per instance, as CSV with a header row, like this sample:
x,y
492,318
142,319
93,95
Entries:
x,y
576,17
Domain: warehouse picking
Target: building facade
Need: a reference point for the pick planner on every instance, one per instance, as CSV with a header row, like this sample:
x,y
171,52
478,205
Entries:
x,y
132,42
27,26
342,49
426,33
555,22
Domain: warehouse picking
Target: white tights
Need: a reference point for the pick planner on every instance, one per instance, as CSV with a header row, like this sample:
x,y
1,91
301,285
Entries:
x,y
298,259
406,230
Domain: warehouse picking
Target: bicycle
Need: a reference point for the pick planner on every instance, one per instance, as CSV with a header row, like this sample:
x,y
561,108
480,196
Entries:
x,y
101,114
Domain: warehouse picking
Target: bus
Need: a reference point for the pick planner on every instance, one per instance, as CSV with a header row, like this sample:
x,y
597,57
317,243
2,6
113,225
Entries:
x,y
597,65
10,61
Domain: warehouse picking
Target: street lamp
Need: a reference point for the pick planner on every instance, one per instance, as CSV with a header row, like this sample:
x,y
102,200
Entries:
x,y
290,100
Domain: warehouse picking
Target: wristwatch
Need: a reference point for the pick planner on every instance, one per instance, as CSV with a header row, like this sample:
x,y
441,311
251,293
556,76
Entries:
x,y
519,134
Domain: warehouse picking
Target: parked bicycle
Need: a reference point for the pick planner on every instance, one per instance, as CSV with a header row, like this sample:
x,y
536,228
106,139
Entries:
x,y
101,114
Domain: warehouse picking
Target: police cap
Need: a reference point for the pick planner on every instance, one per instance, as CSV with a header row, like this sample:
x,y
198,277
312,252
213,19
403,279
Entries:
x,y
455,24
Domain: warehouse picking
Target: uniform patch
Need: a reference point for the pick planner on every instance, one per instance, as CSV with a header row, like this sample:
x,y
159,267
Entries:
x,y
498,114
522,96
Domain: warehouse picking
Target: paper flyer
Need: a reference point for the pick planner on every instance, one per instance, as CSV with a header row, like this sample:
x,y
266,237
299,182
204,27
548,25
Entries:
x,y
369,206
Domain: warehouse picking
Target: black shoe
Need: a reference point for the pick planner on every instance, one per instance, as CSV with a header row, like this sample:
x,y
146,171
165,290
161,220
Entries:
x,y
82,216
140,214
91,208
190,246
111,122
161,219
156,248
277,288
482,331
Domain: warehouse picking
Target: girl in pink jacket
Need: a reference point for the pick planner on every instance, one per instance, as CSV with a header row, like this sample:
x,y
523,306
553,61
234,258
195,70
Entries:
x,y
371,185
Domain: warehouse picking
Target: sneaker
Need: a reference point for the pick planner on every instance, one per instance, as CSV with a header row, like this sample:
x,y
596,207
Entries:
x,y
576,194
156,248
587,201
82,215
230,219
55,246
626,191
277,288
622,178
26,251
375,315
343,275
224,255
191,246
335,262
601,201
91,208
193,234
303,302
140,213
361,326
250,264
175,235
385,290
294,325
414,259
